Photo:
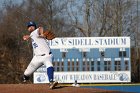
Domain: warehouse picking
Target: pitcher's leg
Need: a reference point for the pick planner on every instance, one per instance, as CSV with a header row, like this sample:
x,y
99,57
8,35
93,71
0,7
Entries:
x,y
49,67
32,67
50,71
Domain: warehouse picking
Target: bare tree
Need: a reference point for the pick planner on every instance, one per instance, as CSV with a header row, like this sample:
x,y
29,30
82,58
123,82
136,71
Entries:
x,y
65,18
15,54
102,17
48,13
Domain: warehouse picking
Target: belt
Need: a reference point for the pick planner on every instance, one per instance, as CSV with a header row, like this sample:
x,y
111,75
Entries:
x,y
45,54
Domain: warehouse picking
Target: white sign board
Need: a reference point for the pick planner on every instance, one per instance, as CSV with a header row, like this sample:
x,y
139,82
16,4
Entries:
x,y
85,44
89,42
85,77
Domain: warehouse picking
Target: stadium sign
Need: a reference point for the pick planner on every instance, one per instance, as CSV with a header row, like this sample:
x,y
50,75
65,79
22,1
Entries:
x,y
89,42
89,60
84,77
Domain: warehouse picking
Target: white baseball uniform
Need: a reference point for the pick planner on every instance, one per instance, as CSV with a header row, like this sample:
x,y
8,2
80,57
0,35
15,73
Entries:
x,y
41,51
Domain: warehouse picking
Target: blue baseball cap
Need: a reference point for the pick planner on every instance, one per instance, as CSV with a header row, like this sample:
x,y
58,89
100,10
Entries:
x,y
31,23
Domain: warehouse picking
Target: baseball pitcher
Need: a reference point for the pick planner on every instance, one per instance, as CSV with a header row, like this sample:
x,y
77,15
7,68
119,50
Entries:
x,y
42,53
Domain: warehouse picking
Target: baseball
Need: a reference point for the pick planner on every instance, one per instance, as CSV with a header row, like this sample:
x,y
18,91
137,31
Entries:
x,y
26,37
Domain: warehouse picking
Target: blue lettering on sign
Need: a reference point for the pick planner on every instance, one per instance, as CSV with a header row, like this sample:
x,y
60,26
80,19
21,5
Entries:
x,y
81,77
74,42
123,77
105,77
112,41
41,78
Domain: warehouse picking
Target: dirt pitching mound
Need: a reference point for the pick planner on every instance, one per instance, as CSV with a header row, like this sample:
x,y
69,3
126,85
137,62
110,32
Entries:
x,y
44,88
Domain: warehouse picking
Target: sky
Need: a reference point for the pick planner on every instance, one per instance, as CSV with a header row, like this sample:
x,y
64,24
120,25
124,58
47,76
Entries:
x,y
14,2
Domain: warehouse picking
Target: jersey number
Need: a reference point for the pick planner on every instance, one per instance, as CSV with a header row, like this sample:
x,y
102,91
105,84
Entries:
x,y
35,45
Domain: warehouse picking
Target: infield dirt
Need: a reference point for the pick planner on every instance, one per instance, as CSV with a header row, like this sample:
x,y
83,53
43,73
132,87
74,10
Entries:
x,y
44,88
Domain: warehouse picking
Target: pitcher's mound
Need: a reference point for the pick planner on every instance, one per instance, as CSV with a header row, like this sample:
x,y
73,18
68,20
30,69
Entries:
x,y
44,88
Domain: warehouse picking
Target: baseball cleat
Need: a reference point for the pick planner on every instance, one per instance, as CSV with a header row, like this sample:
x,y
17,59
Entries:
x,y
25,78
53,84
24,81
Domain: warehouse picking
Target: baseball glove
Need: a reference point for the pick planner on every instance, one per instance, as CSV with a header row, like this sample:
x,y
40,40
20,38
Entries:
x,y
49,35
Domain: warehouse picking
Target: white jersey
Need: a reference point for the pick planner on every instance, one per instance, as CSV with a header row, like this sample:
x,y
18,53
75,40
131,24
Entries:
x,y
40,45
